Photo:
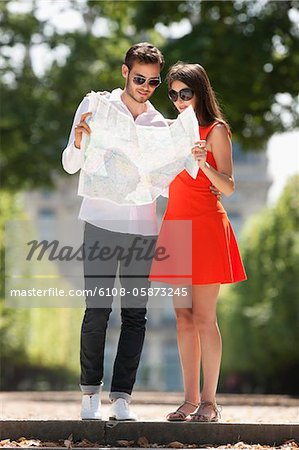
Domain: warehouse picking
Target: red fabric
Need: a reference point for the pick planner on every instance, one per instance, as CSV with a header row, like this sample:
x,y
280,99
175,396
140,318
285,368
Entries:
x,y
215,253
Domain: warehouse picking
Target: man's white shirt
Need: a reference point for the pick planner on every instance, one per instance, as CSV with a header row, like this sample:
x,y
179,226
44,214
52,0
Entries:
x,y
134,219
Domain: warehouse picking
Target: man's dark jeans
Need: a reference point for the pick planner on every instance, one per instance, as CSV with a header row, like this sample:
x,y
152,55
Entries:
x,y
100,273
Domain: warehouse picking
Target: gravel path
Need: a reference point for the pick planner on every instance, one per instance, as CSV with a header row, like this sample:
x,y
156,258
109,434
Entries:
x,y
149,406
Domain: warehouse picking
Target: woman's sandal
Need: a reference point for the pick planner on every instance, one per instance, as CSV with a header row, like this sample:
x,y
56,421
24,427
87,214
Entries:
x,y
179,415
199,416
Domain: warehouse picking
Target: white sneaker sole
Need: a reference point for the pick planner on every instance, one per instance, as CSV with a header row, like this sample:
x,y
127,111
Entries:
x,y
122,420
90,418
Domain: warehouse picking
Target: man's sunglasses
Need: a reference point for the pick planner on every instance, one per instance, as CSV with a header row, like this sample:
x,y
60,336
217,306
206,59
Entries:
x,y
153,82
185,94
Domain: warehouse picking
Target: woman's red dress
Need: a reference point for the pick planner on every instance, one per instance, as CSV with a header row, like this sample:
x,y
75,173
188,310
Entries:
x,y
215,255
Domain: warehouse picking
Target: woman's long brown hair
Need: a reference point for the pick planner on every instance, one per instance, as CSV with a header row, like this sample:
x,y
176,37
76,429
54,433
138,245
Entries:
x,y
207,109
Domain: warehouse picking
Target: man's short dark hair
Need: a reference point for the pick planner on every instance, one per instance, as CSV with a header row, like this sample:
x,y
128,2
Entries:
x,y
144,52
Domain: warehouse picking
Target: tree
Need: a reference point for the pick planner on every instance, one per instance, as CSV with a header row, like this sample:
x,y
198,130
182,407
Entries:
x,y
37,109
251,53
250,50
260,317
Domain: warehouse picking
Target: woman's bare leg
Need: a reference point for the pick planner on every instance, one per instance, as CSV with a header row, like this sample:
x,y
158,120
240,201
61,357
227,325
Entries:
x,y
204,305
189,349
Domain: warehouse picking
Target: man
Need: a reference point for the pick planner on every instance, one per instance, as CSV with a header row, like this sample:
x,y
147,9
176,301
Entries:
x,y
116,227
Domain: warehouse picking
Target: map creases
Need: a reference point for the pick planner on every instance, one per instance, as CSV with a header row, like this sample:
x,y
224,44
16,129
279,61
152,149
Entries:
x,y
132,164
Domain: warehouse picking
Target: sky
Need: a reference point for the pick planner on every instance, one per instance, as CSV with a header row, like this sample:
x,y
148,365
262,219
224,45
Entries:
x,y
283,155
282,150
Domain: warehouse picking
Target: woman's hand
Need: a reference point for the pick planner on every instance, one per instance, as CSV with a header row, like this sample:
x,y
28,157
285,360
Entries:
x,y
200,153
81,128
215,191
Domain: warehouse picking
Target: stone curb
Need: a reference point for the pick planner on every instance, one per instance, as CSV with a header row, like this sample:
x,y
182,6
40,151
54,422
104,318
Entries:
x,y
108,433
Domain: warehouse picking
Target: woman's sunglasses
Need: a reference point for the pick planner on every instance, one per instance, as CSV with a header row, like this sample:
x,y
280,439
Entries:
x,y
185,94
153,82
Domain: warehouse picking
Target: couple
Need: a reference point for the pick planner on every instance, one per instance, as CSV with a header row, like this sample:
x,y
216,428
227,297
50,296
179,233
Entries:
x,y
215,255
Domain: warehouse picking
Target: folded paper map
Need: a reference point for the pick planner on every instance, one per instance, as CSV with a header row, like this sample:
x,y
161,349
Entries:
x,y
133,164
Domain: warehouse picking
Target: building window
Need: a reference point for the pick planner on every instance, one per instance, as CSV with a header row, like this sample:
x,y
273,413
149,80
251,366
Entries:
x,y
46,224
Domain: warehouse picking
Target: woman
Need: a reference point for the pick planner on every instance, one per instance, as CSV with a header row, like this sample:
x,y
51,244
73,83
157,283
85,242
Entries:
x,y
215,255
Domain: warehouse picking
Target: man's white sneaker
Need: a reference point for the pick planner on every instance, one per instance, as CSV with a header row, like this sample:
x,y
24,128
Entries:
x,y
120,410
91,407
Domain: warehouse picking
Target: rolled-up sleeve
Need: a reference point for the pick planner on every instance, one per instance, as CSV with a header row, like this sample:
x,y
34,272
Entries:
x,y
72,157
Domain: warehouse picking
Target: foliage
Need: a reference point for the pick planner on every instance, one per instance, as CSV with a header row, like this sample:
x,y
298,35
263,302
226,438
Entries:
x,y
9,209
250,52
37,110
260,317
35,342
248,48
